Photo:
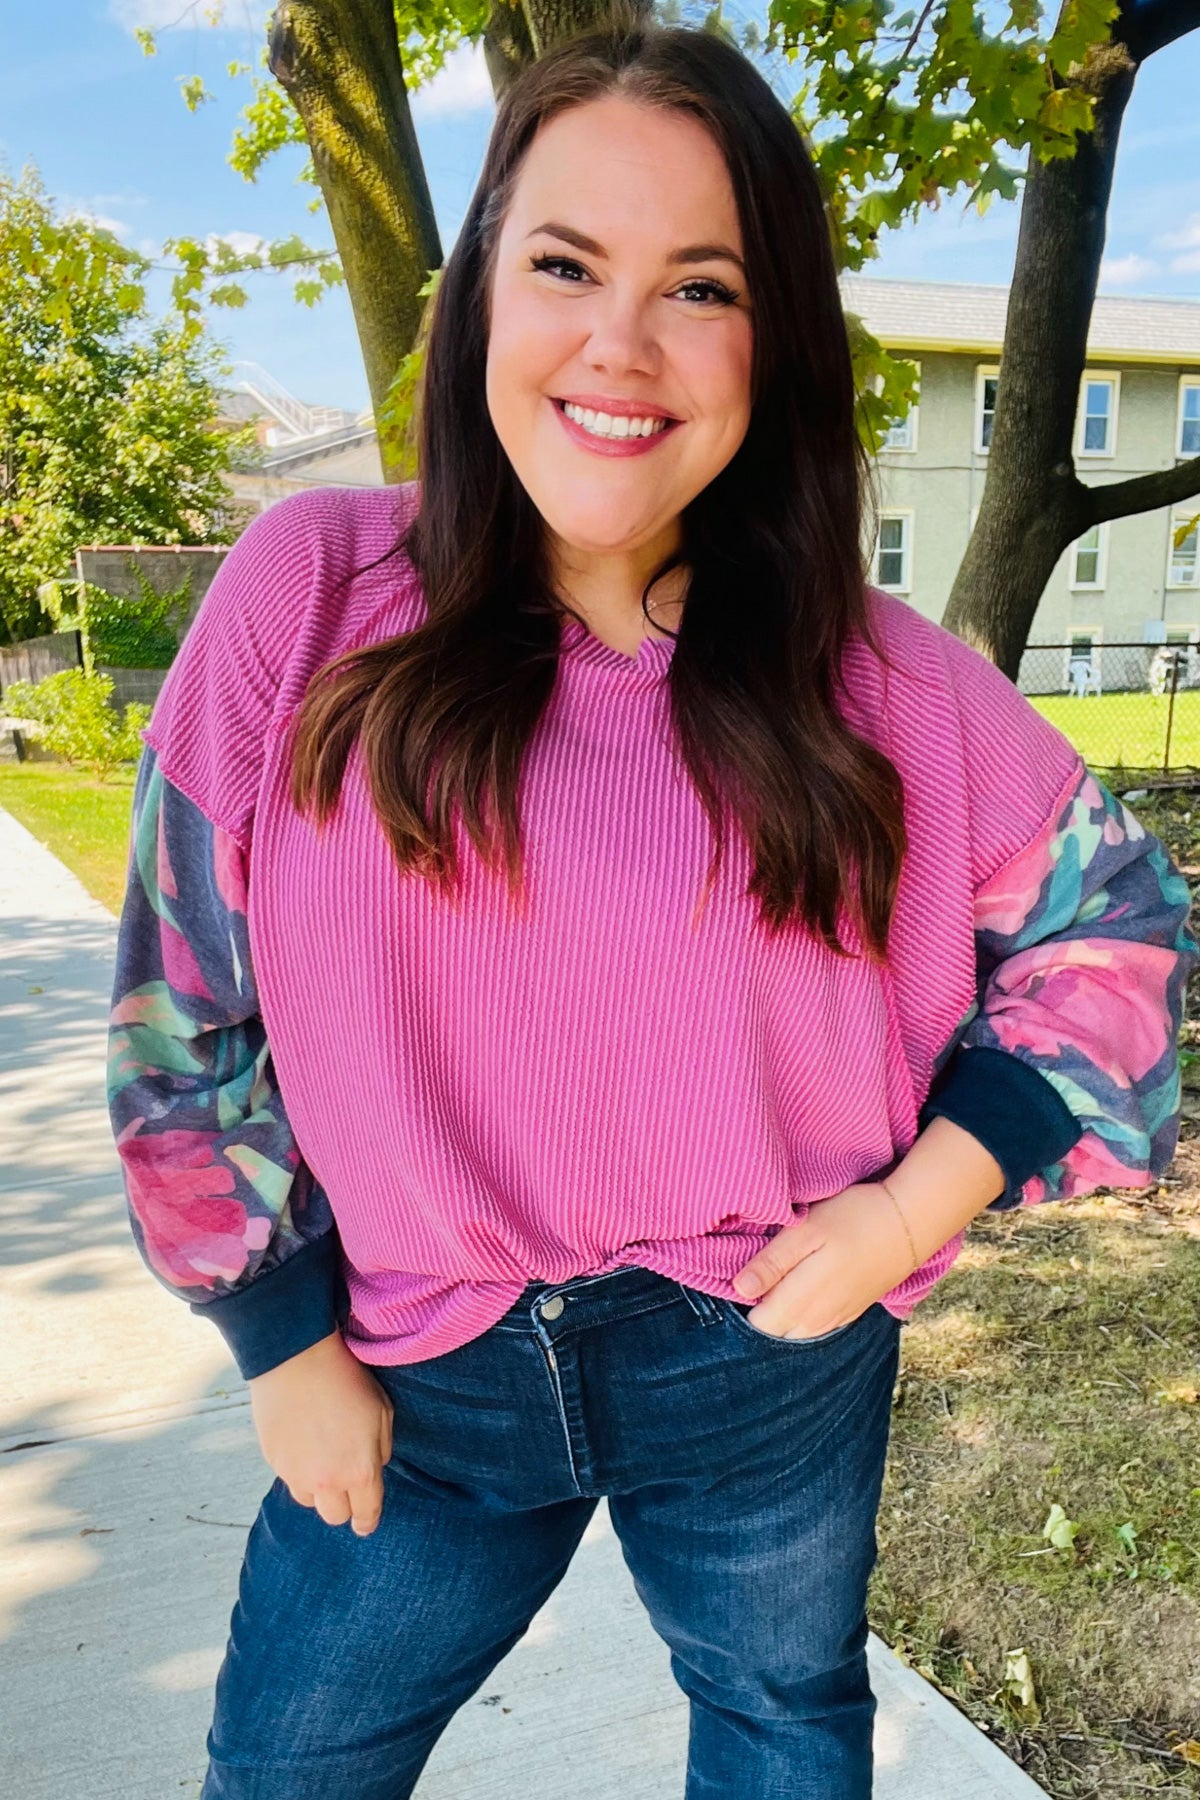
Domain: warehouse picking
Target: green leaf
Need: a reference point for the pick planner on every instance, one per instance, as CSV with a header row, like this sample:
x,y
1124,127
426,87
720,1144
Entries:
x,y
194,91
1019,1687
1060,1530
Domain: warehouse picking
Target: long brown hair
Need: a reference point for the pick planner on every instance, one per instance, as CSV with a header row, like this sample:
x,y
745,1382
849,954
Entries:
x,y
774,546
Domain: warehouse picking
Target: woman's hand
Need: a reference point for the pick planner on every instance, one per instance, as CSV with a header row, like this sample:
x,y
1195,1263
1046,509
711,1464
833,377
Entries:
x,y
325,1428
849,1251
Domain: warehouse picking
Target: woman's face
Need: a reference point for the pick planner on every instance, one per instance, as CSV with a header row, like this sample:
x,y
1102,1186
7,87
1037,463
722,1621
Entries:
x,y
618,289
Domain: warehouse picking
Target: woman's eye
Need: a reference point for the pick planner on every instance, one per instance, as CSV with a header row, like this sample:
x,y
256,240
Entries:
x,y
710,291
557,262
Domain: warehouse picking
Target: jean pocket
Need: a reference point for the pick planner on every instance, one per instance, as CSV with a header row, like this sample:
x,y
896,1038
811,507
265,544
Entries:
x,y
736,1314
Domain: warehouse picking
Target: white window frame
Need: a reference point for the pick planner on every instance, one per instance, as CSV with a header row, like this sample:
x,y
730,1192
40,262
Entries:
x,y
904,586
1096,633
1187,383
1101,580
908,424
983,372
1179,515
1100,377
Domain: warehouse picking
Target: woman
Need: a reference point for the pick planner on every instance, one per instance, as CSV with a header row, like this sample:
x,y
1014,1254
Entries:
x,y
587,957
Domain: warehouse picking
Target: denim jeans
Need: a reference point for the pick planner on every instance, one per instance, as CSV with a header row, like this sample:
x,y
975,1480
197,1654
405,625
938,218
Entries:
x,y
742,1473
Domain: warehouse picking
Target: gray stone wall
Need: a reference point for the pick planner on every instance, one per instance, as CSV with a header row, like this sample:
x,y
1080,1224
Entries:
x,y
108,567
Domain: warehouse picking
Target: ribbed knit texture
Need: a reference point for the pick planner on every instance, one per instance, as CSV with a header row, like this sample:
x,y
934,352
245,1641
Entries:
x,y
491,1097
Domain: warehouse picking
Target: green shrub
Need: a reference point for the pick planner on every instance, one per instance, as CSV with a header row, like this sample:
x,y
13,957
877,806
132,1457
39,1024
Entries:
x,y
119,631
75,721
141,633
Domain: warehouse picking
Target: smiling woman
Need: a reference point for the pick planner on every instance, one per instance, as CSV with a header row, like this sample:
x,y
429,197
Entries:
x,y
817,939
632,349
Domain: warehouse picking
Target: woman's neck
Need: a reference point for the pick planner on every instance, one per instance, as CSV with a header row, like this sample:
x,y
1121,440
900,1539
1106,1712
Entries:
x,y
606,592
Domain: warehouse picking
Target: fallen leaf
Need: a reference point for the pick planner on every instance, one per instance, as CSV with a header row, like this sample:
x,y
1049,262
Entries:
x,y
1190,1751
1018,1684
1060,1530
1180,1393
1128,1537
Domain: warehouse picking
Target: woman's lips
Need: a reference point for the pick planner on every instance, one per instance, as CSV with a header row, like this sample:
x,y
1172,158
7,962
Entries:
x,y
629,446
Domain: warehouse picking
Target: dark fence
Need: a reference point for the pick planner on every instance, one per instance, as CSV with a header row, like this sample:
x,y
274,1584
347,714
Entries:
x,y
35,658
1131,707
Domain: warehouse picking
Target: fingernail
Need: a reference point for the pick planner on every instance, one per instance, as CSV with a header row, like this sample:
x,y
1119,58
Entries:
x,y
747,1282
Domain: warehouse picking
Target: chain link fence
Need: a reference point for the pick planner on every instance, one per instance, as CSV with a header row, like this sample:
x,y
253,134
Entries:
x,y
1129,708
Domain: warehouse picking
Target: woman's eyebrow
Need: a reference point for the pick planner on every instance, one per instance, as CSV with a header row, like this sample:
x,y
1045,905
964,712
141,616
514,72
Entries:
x,y
691,253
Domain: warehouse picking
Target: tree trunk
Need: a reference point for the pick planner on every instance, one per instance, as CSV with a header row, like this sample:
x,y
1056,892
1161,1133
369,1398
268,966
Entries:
x,y
519,31
339,63
507,45
1034,504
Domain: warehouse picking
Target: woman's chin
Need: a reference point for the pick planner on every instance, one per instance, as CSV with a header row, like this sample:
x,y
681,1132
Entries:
x,y
603,534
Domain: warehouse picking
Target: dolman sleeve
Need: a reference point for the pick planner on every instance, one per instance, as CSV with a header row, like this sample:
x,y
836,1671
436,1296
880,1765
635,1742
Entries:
x,y
224,1210
1084,951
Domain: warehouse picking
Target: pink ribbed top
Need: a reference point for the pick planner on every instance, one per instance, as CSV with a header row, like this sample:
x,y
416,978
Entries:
x,y
491,1098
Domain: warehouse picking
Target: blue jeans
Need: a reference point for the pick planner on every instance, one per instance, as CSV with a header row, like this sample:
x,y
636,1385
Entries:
x,y
742,1473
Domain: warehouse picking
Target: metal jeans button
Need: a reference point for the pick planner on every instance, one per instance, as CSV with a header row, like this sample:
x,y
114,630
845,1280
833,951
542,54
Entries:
x,y
553,1306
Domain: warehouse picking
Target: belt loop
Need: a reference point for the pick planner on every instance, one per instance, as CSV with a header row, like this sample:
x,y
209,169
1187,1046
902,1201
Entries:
x,y
703,1305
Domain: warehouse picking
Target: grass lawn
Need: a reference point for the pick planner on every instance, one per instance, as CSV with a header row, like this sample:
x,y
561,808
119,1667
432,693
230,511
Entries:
x,y
1127,729
1057,1364
85,822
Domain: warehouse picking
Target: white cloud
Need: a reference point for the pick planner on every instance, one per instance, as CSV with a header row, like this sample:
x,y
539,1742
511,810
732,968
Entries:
x,y
462,86
162,15
1117,271
1187,239
1186,265
242,243
89,211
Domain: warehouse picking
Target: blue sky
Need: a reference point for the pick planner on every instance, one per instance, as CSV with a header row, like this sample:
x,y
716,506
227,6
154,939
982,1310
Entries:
x,y
111,136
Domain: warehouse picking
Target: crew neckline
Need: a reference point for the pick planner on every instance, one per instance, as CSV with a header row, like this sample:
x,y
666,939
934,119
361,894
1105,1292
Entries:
x,y
583,646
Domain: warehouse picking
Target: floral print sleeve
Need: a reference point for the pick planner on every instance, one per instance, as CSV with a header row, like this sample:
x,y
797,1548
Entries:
x,y
224,1210
1084,952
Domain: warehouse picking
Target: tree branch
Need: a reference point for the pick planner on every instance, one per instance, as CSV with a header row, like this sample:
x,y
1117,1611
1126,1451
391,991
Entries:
x,y
1145,26
1142,493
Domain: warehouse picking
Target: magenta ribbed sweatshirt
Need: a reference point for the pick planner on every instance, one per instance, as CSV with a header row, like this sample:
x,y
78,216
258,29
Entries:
x,y
489,1098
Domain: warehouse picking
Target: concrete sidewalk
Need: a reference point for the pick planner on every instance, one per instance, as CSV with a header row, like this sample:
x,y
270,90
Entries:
x,y
129,1475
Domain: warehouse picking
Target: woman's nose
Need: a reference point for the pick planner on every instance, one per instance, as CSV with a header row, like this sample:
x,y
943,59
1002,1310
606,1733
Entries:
x,y
623,336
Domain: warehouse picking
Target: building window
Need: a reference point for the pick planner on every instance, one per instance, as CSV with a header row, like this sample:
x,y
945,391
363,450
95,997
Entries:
x,y
986,383
1181,569
904,435
893,554
1097,434
1189,418
1087,570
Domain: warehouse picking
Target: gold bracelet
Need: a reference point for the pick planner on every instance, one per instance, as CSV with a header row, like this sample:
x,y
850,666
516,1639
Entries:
x,y
907,1232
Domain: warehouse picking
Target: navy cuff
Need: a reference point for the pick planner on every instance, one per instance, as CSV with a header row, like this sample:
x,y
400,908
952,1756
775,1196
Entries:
x,y
1017,1115
283,1312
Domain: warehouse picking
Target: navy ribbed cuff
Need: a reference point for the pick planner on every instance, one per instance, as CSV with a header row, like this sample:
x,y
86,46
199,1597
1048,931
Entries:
x,y
283,1312
1017,1115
